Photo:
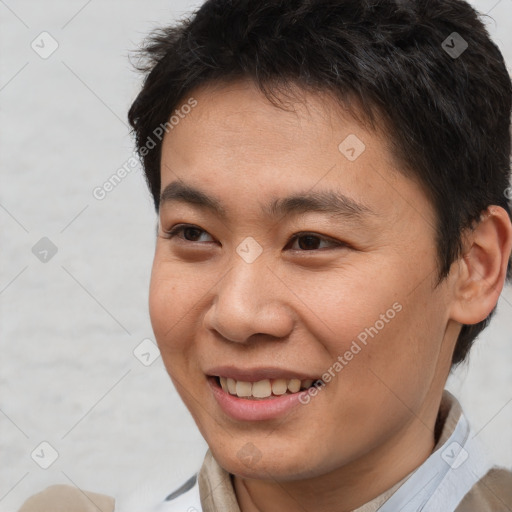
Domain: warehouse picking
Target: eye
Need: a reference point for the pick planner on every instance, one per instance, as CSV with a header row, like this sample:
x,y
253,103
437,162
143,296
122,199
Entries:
x,y
307,242
190,232
310,241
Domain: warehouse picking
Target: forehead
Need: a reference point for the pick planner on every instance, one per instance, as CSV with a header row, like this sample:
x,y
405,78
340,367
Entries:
x,y
239,146
238,111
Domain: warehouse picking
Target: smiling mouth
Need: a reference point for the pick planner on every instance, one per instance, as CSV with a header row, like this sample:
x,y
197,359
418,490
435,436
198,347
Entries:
x,y
267,388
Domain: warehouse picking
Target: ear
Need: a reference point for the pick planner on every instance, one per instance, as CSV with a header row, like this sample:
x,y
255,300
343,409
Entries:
x,y
483,266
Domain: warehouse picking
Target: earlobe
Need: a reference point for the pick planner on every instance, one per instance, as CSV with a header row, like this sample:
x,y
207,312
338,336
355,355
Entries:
x,y
482,269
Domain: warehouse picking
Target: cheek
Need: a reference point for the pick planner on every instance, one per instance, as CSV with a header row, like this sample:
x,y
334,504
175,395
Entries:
x,y
344,306
171,307
171,301
380,326
161,293
398,360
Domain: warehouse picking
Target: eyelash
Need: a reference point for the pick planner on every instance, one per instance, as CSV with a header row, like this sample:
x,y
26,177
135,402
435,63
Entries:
x,y
179,228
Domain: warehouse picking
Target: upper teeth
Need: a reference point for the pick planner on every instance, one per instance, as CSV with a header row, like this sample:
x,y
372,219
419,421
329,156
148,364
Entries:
x,y
263,388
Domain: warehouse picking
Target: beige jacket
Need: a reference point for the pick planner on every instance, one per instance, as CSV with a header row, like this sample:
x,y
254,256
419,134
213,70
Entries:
x,y
491,493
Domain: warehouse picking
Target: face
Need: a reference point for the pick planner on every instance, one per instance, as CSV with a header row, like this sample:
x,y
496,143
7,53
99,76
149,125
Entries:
x,y
296,252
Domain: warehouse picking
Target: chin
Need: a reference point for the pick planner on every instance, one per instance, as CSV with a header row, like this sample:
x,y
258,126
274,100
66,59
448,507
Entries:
x,y
245,460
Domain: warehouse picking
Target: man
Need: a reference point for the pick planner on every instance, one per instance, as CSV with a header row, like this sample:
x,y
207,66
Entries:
x,y
330,179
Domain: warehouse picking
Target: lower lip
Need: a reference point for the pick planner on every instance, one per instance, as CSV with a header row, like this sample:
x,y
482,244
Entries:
x,y
254,410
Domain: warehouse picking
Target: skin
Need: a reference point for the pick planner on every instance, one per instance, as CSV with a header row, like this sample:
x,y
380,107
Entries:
x,y
298,307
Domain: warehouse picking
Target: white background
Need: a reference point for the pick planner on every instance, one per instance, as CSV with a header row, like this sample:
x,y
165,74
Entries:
x,y
69,327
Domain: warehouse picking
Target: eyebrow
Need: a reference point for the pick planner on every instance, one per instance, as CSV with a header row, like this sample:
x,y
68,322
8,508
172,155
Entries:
x,y
324,201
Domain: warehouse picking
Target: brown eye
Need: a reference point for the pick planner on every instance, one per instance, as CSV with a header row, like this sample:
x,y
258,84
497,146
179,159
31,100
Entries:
x,y
308,242
311,242
190,233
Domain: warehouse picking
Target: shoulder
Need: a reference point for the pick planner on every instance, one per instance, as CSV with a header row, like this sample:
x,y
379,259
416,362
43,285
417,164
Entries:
x,y
65,498
493,492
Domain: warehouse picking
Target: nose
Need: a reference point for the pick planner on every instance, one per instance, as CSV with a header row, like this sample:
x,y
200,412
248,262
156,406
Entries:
x,y
250,302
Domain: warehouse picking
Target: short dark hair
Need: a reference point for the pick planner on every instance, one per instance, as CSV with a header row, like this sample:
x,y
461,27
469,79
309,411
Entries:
x,y
447,113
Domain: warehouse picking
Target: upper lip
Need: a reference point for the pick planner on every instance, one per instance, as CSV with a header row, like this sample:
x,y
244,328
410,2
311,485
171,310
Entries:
x,y
258,373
